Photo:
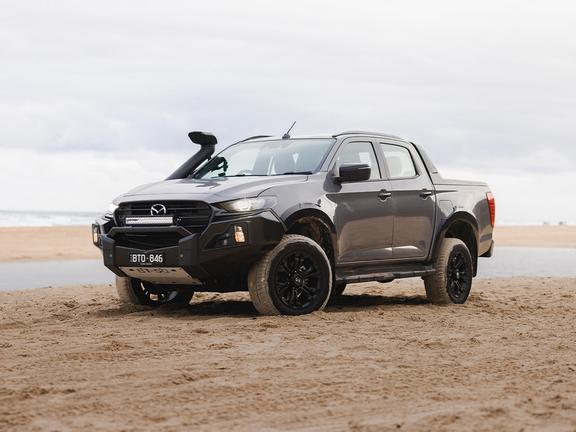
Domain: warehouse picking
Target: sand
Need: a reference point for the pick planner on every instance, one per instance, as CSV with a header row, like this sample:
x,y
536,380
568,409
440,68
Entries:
x,y
46,243
382,359
536,236
33,244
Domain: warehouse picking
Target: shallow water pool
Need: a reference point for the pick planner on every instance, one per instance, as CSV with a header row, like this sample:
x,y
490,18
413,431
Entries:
x,y
506,262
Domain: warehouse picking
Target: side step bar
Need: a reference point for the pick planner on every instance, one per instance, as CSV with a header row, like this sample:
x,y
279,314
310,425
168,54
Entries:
x,y
384,276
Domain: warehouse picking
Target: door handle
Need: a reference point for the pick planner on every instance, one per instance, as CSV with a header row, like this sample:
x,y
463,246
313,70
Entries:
x,y
383,195
425,193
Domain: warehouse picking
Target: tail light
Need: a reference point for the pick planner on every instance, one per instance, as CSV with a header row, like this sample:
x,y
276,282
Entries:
x,y
492,207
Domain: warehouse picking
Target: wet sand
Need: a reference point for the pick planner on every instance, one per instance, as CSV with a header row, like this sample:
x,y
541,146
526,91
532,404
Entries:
x,y
383,358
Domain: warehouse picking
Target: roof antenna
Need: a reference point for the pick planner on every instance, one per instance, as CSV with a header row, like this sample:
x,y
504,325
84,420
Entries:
x,y
287,134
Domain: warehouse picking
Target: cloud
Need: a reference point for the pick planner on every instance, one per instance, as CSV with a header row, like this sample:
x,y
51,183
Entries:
x,y
76,180
525,197
486,87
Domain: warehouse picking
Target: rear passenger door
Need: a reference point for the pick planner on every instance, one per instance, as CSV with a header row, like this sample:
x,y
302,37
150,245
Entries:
x,y
363,214
413,198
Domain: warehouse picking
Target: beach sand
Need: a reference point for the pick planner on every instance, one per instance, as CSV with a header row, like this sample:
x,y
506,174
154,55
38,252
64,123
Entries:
x,y
46,243
382,359
536,236
53,243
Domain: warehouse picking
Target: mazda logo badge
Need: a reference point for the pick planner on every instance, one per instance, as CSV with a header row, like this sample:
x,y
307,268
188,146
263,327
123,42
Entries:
x,y
158,210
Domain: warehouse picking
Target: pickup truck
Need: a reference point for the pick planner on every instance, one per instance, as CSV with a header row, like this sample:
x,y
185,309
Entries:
x,y
293,220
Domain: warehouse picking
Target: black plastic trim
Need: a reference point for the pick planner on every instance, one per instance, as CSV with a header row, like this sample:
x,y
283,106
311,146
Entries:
x,y
193,252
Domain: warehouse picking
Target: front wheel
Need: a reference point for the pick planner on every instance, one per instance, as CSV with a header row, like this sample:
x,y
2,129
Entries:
x,y
453,278
138,292
294,278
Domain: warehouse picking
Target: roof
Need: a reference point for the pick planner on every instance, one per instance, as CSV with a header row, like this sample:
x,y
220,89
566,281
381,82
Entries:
x,y
357,132
345,133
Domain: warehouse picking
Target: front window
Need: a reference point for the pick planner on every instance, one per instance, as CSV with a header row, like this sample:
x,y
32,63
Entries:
x,y
359,153
267,158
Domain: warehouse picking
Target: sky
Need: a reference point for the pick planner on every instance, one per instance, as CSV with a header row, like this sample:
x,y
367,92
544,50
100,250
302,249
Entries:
x,y
98,97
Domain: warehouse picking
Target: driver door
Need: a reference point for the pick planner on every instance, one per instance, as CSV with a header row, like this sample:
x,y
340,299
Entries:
x,y
363,214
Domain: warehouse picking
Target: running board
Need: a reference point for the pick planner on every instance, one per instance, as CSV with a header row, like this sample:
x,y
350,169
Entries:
x,y
384,276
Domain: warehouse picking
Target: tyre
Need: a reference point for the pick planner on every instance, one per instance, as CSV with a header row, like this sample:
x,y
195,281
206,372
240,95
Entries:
x,y
453,278
294,278
137,292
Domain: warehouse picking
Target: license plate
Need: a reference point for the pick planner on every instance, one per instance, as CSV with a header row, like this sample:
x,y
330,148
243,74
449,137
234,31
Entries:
x,y
145,259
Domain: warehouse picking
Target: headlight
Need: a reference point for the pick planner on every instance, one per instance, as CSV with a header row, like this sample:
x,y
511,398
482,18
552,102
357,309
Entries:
x,y
112,208
248,204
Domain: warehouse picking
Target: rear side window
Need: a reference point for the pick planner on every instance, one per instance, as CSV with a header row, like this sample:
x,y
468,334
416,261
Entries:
x,y
359,153
399,161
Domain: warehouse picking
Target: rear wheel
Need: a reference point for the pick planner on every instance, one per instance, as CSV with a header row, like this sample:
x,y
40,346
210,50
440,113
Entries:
x,y
294,278
138,292
453,278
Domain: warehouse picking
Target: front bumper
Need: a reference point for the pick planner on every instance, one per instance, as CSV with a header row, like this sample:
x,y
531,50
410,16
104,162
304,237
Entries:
x,y
200,255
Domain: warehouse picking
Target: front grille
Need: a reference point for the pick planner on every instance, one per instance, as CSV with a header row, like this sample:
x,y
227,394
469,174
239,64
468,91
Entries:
x,y
192,215
147,241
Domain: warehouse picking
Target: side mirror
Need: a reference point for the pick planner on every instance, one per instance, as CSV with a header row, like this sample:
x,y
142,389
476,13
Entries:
x,y
353,173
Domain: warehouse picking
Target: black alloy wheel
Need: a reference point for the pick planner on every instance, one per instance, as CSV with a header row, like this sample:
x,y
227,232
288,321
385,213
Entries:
x,y
153,294
298,283
294,278
138,292
459,276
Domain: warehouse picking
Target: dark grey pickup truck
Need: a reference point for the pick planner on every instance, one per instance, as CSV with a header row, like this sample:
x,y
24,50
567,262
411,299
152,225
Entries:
x,y
292,220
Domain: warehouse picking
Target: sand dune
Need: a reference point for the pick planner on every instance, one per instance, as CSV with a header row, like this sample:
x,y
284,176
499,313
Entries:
x,y
382,359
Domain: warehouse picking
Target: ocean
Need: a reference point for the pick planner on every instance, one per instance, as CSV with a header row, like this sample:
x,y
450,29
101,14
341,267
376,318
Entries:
x,y
10,218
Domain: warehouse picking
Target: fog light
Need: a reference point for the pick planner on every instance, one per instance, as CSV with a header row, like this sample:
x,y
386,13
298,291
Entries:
x,y
239,234
96,235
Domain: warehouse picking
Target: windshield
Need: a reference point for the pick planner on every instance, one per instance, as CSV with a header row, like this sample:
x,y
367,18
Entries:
x,y
267,158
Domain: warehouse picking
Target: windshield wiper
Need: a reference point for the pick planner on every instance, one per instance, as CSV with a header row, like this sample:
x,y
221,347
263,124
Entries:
x,y
295,172
266,175
243,175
